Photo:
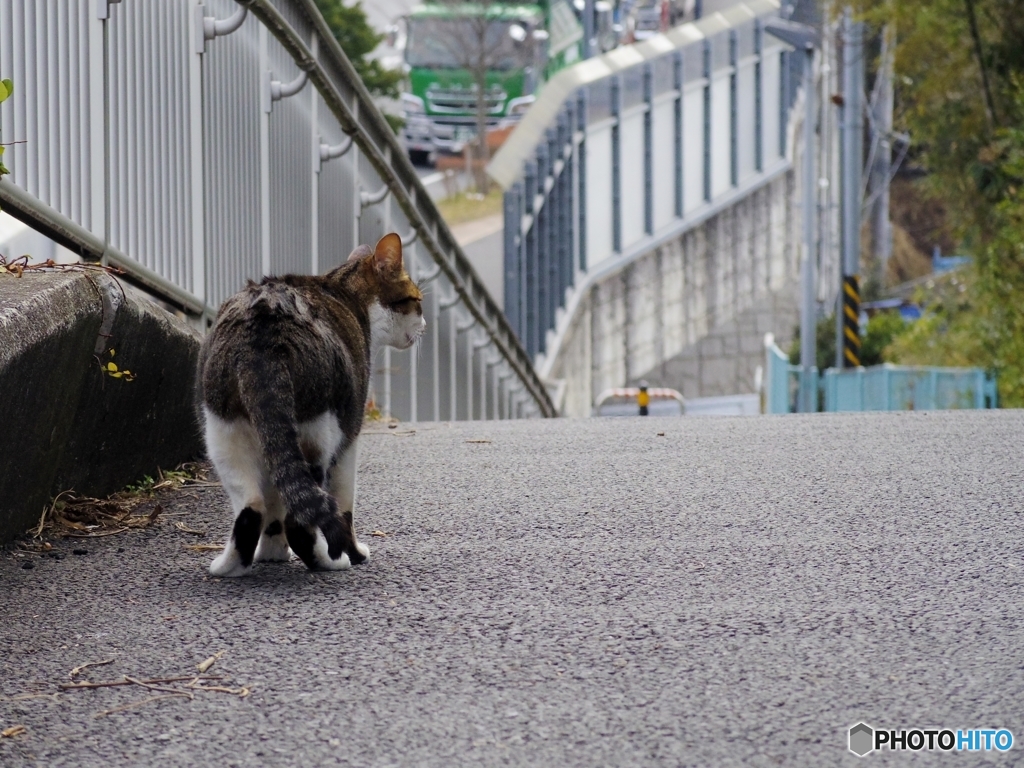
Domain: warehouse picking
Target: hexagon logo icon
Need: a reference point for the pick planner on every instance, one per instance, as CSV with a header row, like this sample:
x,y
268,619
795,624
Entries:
x,y
862,737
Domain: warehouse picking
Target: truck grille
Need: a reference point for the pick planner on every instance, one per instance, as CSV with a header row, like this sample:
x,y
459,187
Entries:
x,y
459,100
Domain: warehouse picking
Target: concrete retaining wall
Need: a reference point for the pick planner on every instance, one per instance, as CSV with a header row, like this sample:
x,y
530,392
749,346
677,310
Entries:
x,y
690,314
65,422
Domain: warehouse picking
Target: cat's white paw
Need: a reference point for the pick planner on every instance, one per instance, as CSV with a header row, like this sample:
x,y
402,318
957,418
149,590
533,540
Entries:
x,y
228,564
363,549
273,549
323,559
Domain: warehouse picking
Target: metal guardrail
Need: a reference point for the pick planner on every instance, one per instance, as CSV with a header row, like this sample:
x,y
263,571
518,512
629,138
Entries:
x,y
631,395
781,380
199,144
890,387
626,151
883,387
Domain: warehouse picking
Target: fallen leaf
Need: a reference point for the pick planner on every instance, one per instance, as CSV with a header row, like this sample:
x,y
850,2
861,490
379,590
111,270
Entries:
x,y
14,730
380,534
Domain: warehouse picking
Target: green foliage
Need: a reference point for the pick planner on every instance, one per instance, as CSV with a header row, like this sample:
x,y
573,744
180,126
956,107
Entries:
x,y
825,343
960,94
944,334
882,329
357,39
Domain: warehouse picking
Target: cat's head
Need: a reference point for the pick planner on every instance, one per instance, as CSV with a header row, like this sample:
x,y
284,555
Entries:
x,y
396,308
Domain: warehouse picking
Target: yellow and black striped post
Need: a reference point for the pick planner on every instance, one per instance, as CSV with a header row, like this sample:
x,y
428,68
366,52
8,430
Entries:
x,y
851,321
643,399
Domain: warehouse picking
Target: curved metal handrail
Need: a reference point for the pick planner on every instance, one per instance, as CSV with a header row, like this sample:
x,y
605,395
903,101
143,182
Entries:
x,y
360,119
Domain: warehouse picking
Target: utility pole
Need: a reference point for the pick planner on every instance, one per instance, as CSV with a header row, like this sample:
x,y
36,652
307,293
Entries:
x,y
881,151
848,314
588,29
804,38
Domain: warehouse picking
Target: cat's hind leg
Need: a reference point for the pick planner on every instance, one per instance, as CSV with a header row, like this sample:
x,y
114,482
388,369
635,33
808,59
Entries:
x,y
343,487
323,544
273,546
331,544
234,450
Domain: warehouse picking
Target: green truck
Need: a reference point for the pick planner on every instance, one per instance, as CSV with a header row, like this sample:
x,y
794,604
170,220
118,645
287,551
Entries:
x,y
450,46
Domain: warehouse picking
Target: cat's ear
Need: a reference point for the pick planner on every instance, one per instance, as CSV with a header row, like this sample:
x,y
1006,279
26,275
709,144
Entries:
x,y
361,252
387,256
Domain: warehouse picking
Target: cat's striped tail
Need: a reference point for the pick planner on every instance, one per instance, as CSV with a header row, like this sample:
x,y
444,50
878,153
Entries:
x,y
266,388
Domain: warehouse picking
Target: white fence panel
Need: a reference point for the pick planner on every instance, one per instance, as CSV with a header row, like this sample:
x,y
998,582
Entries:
x,y
693,147
721,161
746,121
232,156
227,161
599,196
663,134
54,120
150,143
771,109
631,135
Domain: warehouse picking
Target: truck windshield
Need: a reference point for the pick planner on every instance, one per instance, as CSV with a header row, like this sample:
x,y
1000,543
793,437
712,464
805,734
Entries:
x,y
458,44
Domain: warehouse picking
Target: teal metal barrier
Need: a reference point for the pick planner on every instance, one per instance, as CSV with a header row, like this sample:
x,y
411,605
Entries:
x,y
890,387
883,387
782,380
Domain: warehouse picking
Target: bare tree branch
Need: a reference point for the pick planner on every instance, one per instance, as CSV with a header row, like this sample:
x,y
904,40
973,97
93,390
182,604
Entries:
x,y
990,107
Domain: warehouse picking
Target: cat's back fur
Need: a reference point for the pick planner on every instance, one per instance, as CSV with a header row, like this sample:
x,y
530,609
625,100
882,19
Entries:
x,y
282,384
321,339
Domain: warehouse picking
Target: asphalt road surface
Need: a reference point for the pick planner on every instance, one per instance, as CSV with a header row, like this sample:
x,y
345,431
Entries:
x,y
563,593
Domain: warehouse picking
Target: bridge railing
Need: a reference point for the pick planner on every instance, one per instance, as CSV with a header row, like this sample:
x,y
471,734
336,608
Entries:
x,y
626,151
199,144
890,387
885,387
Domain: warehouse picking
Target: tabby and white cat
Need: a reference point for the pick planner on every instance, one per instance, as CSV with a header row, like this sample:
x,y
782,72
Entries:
x,y
282,386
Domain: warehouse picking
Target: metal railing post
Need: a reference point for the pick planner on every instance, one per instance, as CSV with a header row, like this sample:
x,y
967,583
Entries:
x,y
569,198
758,97
452,355
581,175
553,219
493,380
463,328
513,224
616,97
648,77
264,59
677,109
477,345
541,227
707,120
531,339
734,164
412,266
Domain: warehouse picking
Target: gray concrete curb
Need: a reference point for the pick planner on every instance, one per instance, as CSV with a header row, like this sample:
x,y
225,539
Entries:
x,y
65,423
